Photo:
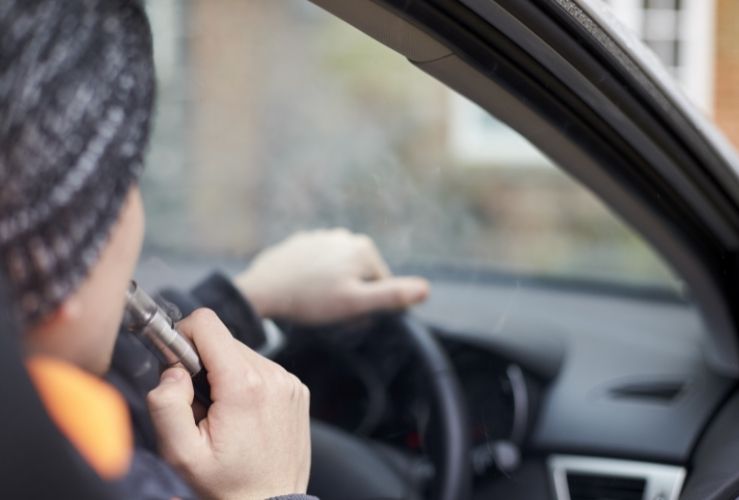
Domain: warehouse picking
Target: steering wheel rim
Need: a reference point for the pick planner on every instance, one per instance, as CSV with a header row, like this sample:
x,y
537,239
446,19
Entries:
x,y
454,476
381,476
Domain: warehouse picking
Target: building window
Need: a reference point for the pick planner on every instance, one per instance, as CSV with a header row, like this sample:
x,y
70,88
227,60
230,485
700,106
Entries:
x,y
477,140
661,31
680,33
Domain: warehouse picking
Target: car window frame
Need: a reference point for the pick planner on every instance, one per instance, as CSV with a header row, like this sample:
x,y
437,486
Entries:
x,y
541,69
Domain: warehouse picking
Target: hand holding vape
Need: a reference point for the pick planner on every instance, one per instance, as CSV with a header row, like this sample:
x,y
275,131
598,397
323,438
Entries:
x,y
153,326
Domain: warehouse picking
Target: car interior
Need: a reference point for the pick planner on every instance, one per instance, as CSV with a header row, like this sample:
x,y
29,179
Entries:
x,y
578,221
575,216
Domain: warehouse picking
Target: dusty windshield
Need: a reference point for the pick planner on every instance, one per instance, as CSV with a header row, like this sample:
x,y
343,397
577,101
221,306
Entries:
x,y
275,117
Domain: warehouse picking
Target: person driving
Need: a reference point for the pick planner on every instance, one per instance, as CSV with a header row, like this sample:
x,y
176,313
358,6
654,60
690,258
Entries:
x,y
76,93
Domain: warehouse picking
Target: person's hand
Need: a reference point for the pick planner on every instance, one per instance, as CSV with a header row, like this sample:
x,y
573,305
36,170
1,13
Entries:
x,y
324,276
254,442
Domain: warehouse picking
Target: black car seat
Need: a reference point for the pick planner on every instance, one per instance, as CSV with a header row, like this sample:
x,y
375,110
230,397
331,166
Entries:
x,y
36,461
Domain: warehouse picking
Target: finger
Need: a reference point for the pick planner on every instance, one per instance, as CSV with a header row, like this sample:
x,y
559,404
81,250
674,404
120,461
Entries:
x,y
171,413
212,340
377,266
230,363
390,294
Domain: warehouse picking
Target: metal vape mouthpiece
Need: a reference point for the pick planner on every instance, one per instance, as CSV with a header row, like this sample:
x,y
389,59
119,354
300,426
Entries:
x,y
153,325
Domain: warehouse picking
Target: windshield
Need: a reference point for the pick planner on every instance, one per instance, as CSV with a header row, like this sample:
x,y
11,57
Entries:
x,y
275,117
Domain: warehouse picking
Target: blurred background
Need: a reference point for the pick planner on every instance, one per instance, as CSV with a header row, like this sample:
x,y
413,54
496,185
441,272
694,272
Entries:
x,y
273,116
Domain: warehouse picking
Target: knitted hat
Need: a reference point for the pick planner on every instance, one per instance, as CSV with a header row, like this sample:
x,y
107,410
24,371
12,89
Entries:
x,y
76,93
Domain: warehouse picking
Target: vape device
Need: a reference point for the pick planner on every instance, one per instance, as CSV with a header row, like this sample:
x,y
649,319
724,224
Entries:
x,y
156,329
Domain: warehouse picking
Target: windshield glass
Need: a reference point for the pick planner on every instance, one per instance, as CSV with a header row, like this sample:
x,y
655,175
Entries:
x,y
276,116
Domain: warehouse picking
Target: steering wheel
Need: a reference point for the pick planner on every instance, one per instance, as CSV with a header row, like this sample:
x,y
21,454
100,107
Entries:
x,y
345,466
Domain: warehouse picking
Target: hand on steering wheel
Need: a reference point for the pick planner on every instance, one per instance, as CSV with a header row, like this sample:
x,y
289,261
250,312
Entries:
x,y
326,276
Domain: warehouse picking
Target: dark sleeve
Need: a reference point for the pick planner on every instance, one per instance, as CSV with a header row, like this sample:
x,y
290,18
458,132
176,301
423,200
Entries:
x,y
294,497
217,292
150,478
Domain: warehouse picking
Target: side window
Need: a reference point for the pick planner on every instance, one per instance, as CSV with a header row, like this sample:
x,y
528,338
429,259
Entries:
x,y
251,145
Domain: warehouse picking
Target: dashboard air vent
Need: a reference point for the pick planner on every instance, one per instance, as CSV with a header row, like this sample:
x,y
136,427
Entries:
x,y
595,487
658,392
593,478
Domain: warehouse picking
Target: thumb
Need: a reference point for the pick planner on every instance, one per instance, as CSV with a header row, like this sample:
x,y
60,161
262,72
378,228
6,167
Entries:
x,y
170,406
391,293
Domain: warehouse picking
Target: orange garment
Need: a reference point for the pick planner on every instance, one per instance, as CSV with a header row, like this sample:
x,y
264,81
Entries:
x,y
89,412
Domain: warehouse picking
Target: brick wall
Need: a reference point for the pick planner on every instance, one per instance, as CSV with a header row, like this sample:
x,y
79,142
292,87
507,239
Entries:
x,y
726,100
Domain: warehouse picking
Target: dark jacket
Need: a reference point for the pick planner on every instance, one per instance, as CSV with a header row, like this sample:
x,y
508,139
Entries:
x,y
135,371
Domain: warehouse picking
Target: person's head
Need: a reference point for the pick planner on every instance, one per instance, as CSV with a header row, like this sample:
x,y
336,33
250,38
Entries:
x,y
76,94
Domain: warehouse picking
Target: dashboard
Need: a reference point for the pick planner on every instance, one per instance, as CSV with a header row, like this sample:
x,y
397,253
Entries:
x,y
622,376
623,379
557,383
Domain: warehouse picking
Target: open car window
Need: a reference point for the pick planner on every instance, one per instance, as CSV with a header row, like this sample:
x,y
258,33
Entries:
x,y
275,117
